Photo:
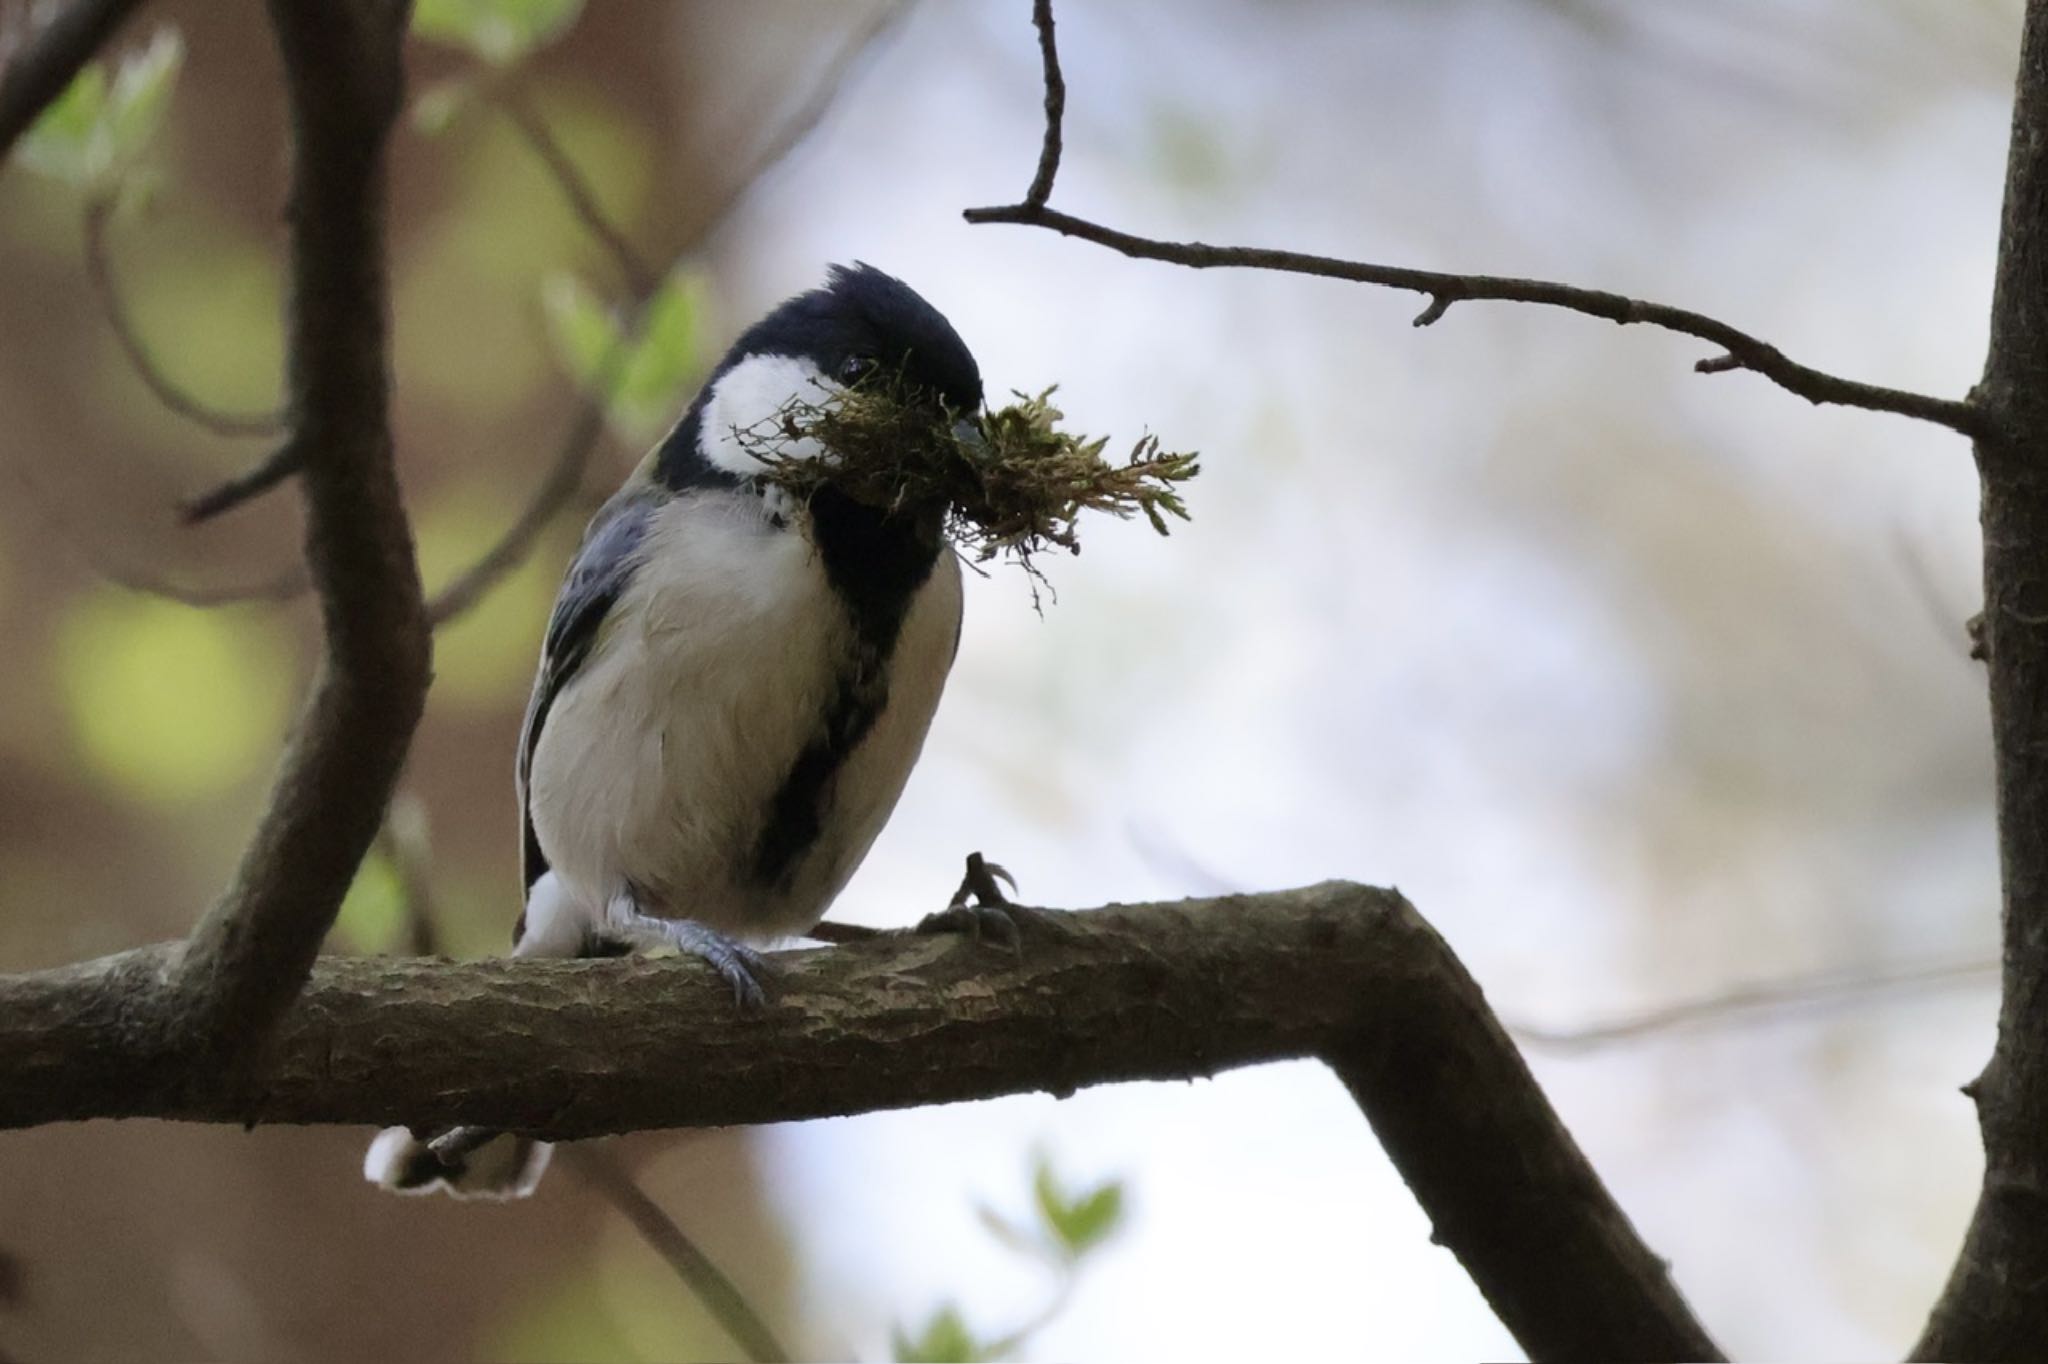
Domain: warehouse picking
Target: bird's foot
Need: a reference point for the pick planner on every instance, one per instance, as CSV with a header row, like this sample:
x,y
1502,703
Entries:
x,y
741,967
979,908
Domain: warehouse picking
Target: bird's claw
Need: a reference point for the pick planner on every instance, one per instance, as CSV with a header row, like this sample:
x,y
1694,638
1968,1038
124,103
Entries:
x,y
979,908
742,967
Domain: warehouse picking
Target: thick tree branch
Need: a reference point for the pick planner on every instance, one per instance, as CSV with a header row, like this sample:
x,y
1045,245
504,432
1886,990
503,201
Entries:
x,y
38,71
1995,1305
1147,992
1740,350
251,953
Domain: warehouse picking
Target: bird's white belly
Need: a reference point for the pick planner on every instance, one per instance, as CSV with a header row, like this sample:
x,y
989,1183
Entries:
x,y
658,762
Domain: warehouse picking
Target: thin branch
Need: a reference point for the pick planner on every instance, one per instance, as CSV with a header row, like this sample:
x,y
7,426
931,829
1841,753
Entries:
x,y
1760,1003
250,955
1055,106
859,48
703,1278
121,571
1740,350
567,1049
39,70
267,473
517,105
509,551
99,271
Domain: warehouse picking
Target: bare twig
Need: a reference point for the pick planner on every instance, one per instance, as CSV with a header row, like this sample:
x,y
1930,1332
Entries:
x,y
859,48
251,954
117,568
99,270
721,1297
517,106
39,70
567,1049
1759,1003
1740,349
554,492
1055,107
267,473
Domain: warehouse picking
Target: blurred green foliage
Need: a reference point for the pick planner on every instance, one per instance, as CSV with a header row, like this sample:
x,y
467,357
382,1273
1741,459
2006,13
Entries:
x,y
1077,1222
167,702
646,373
93,134
1067,1228
473,269
497,32
944,1339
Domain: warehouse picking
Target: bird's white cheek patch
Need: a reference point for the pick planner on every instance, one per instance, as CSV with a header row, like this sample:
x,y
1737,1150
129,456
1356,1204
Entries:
x,y
745,408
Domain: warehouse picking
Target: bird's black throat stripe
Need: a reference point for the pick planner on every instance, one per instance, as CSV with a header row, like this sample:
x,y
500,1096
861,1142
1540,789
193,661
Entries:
x,y
876,564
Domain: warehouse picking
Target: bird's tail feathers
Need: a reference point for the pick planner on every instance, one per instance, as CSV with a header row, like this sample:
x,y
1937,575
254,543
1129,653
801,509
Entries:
x,y
504,1167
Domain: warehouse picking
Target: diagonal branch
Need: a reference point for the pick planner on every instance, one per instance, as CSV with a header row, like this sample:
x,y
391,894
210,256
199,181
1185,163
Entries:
x,y
1166,991
38,71
1739,349
250,955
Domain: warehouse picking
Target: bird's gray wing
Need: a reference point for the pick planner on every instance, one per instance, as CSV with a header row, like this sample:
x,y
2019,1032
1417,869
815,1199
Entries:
x,y
604,564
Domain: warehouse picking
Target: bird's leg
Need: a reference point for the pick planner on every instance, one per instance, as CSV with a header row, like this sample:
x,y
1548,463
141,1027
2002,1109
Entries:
x,y
743,968
979,908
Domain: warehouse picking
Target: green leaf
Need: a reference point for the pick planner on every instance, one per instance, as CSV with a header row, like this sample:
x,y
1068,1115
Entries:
x,y
581,327
653,378
499,32
97,127
1077,1225
644,383
141,92
61,144
944,1340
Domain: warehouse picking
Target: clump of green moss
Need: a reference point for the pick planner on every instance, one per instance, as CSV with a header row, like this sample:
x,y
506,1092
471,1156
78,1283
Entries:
x,y
1015,485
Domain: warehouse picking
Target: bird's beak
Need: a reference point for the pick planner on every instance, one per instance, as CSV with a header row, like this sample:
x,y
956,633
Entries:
x,y
967,431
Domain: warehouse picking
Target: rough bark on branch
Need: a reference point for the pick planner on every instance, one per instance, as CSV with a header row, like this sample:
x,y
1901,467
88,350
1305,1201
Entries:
x,y
1150,992
1995,1305
251,952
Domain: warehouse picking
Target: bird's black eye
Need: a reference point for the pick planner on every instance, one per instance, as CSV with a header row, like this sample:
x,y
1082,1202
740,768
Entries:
x,y
854,368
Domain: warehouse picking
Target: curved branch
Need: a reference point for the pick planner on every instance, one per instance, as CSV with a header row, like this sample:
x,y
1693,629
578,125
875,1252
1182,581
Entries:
x,y
1165,991
99,271
42,67
249,956
1740,350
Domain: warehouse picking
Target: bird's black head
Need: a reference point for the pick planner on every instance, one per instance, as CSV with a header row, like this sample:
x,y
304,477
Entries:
x,y
861,322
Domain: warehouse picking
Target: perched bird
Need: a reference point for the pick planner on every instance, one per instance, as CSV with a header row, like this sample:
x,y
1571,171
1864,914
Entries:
x,y
733,686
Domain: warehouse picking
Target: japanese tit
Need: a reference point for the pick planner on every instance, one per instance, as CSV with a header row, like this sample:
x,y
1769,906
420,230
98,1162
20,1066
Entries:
x,y
733,686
